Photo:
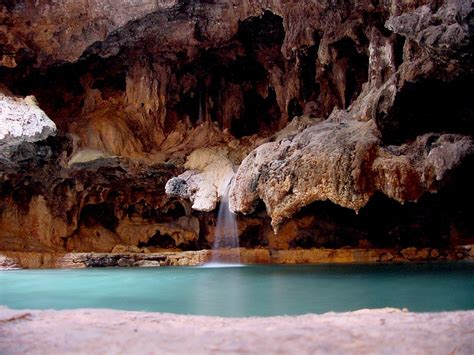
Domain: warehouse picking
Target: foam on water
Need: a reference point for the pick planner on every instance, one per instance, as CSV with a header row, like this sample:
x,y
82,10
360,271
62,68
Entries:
x,y
218,265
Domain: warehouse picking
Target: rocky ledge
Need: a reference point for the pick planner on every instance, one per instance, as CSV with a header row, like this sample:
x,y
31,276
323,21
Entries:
x,y
377,331
137,258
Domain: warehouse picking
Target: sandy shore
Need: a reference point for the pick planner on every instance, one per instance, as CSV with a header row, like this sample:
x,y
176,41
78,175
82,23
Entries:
x,y
382,331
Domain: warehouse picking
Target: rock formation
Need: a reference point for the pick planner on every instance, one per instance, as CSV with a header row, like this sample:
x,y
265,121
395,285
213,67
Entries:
x,y
325,108
21,120
344,163
205,183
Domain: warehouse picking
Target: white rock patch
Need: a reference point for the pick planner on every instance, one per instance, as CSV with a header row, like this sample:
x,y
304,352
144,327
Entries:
x,y
205,181
22,120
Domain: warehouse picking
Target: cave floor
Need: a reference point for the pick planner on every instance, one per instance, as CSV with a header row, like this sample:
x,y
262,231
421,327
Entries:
x,y
377,331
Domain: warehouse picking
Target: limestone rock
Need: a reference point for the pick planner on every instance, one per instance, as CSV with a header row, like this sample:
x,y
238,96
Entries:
x,y
126,249
68,28
345,163
22,120
7,263
442,31
147,263
205,183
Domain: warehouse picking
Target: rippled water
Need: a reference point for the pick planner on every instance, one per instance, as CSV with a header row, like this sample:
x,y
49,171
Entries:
x,y
245,291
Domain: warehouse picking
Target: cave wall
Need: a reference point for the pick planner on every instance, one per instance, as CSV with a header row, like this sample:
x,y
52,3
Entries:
x,y
139,85
123,76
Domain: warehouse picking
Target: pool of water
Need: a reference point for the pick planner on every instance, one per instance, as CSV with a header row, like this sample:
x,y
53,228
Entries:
x,y
245,291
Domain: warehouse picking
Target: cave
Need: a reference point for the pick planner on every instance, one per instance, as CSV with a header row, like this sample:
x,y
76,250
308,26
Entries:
x,y
299,168
194,97
435,220
101,214
307,57
253,237
333,227
157,240
261,39
429,105
356,71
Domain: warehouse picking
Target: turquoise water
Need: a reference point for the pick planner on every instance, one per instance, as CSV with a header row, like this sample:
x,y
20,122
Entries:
x,y
245,291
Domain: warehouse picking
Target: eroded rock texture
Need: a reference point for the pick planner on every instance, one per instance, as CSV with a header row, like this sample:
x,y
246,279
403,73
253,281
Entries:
x,y
95,205
329,106
344,163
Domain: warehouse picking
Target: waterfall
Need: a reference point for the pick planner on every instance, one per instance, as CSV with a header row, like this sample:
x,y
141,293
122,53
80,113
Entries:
x,y
226,235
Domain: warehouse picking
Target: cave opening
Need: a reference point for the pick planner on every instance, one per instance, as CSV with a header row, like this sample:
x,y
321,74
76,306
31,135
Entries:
x,y
253,237
391,224
399,44
57,90
231,79
159,240
356,68
227,89
101,214
258,116
436,220
61,88
333,227
294,108
307,58
429,105
173,210
262,31
230,85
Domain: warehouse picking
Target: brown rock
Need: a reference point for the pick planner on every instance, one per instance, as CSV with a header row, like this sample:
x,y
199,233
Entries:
x,y
344,163
423,254
409,253
386,257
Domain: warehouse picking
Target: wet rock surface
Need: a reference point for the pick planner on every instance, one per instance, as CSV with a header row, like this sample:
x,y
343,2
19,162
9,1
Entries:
x,y
47,260
364,331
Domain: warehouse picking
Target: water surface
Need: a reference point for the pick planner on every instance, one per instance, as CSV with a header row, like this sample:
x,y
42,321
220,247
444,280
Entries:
x,y
245,291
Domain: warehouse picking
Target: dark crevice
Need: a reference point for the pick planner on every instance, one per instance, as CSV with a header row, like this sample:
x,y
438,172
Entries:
x,y
436,220
307,68
294,108
357,65
263,31
253,237
429,106
101,214
164,241
255,106
399,43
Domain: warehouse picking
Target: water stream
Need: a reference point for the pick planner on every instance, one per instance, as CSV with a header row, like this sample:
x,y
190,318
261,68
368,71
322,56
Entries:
x,y
226,235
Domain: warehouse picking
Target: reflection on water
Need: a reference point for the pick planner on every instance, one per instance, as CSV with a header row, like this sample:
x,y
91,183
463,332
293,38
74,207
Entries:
x,y
245,291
